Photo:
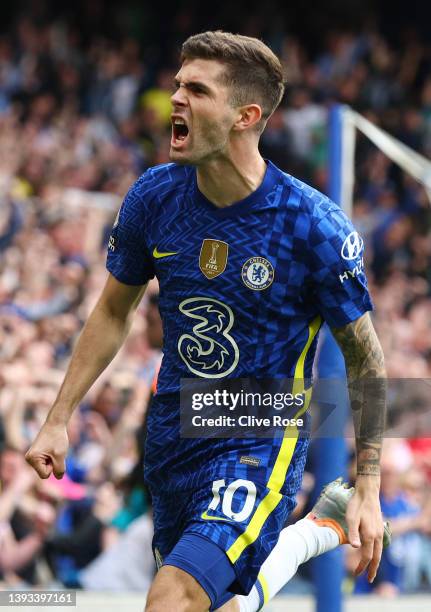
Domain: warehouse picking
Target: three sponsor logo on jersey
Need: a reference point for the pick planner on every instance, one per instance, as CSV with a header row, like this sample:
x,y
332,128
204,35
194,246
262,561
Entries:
x,y
207,348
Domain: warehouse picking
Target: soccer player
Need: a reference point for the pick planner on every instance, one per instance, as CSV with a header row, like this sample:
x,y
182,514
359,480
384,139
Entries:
x,y
250,262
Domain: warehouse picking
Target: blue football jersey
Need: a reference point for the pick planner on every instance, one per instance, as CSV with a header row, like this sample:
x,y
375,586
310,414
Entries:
x,y
239,285
244,290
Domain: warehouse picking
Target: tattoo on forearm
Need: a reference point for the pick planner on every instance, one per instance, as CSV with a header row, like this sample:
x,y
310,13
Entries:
x,y
368,458
367,389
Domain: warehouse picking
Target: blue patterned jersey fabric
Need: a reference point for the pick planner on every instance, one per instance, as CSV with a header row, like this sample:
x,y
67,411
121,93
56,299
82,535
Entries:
x,y
246,326
243,289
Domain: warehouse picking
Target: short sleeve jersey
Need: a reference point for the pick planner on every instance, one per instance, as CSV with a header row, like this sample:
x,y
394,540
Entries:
x,y
243,288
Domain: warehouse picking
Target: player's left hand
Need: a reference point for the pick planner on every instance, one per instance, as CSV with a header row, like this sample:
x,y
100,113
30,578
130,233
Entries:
x,y
365,524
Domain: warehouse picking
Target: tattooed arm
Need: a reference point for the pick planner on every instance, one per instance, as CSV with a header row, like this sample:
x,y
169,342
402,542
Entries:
x,y
366,374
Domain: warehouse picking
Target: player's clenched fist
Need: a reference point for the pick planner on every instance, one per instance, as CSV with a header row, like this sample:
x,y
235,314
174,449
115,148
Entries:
x,y
47,454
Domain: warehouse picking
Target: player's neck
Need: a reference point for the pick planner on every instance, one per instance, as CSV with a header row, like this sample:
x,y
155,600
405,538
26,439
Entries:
x,y
230,179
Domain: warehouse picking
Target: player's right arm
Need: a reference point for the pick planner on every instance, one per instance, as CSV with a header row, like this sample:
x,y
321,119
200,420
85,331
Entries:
x,y
99,342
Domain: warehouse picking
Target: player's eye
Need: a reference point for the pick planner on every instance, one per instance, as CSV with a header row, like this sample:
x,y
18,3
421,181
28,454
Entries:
x,y
197,89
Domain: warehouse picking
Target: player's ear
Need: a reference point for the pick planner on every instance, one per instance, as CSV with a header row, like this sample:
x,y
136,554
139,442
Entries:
x,y
248,116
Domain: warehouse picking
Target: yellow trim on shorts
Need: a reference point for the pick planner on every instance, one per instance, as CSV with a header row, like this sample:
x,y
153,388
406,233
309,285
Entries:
x,y
282,463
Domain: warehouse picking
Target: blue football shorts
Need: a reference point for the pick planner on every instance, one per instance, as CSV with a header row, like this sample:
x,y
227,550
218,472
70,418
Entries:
x,y
222,530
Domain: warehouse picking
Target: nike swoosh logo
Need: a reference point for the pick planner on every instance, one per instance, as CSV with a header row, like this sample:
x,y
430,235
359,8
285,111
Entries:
x,y
207,517
158,255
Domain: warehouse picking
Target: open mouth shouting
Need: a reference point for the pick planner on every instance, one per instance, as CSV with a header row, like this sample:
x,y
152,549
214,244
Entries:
x,y
180,132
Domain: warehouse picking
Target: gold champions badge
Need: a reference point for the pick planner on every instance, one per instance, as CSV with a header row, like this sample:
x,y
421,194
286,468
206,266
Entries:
x,y
213,257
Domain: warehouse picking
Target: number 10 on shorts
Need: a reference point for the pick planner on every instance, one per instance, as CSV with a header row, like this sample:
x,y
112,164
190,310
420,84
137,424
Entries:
x,y
226,497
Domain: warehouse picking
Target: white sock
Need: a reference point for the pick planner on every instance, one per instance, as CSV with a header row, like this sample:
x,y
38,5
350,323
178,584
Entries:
x,y
250,602
297,544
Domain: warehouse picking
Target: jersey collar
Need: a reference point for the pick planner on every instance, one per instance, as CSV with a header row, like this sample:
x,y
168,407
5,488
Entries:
x,y
256,199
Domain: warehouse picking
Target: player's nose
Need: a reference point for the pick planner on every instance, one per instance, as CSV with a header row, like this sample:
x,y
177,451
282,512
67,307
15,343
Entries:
x,y
179,97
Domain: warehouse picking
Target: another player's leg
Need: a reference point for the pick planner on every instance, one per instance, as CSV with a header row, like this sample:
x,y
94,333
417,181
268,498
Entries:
x,y
319,532
322,530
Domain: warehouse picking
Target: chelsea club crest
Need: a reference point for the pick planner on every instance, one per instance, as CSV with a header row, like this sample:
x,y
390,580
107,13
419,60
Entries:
x,y
257,273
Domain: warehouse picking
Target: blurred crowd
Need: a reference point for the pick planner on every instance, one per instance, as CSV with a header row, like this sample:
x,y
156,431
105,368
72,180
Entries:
x,y
81,116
